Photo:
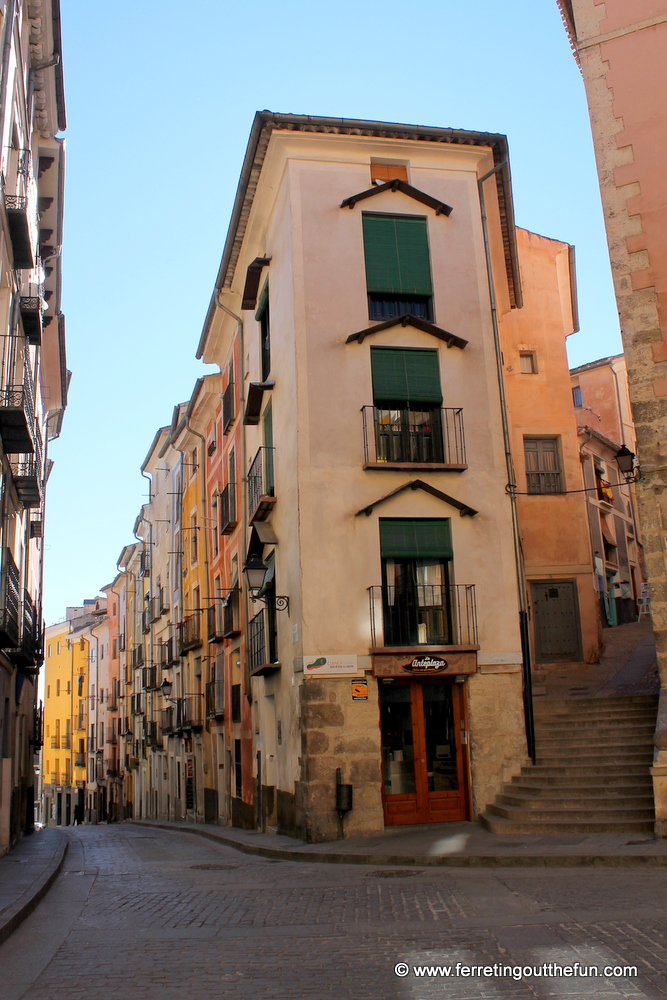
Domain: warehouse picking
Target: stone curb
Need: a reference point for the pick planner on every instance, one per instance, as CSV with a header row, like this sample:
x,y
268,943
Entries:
x,y
15,915
447,861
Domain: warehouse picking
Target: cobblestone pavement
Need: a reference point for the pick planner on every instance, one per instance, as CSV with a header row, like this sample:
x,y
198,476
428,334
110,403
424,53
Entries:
x,y
140,913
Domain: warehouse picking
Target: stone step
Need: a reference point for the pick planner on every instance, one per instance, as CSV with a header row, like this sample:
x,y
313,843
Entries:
x,y
595,757
626,768
583,815
574,739
527,799
598,725
496,824
548,787
595,706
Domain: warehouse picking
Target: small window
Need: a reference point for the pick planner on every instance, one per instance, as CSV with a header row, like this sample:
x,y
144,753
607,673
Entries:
x,y
543,471
528,363
57,688
58,649
576,396
383,172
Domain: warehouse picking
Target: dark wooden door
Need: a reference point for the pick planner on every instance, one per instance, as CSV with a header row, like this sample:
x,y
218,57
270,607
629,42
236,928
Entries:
x,y
423,748
556,621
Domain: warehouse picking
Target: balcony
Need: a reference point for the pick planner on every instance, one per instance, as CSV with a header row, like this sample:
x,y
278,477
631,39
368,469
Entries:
x,y
544,482
21,230
215,699
228,408
28,651
262,643
152,737
144,563
66,742
167,721
444,616
189,712
149,679
137,658
79,760
31,318
215,621
145,622
121,642
10,602
406,439
17,417
231,609
228,520
261,486
27,477
167,655
136,704
55,742
190,632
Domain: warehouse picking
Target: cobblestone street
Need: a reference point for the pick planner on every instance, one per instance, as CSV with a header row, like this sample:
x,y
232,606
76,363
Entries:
x,y
140,914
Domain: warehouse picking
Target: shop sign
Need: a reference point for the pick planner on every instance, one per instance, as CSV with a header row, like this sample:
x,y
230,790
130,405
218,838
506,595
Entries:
x,y
330,665
360,690
426,664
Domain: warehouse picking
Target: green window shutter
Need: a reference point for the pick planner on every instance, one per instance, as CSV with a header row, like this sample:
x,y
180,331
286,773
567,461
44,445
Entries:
x,y
397,258
263,303
405,376
423,539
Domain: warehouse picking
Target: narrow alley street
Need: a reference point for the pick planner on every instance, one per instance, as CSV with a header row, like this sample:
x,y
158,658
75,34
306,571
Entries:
x,y
141,913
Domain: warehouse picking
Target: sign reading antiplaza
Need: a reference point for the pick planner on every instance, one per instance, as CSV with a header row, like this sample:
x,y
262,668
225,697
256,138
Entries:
x,y
427,664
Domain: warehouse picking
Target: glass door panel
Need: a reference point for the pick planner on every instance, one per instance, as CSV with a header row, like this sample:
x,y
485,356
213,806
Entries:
x,y
397,739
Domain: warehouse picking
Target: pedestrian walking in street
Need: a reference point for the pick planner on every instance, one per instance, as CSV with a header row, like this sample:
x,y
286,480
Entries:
x,y
78,815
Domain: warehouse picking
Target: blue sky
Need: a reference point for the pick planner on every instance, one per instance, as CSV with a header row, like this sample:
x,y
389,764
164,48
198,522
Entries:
x,y
160,100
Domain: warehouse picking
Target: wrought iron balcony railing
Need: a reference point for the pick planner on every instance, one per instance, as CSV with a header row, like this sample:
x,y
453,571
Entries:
x,y
137,657
262,642
55,742
31,317
215,621
261,485
66,742
215,699
150,678
22,230
544,482
167,721
27,653
18,429
28,480
189,712
79,760
231,609
228,408
190,631
153,738
228,519
398,437
137,704
167,654
10,601
423,616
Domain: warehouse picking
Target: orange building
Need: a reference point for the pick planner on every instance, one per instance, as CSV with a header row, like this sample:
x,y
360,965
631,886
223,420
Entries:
x,y
552,505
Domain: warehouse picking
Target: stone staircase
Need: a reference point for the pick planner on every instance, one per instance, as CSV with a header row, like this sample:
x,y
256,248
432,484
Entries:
x,y
592,773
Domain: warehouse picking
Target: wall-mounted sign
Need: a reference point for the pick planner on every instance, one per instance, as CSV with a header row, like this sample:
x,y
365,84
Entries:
x,y
360,690
426,664
329,665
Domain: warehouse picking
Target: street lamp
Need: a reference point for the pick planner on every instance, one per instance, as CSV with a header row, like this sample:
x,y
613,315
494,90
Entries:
x,y
625,459
256,572
165,687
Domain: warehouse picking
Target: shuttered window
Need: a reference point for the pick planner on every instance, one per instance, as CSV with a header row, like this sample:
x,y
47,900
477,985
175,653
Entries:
x,y
543,471
421,539
397,258
405,376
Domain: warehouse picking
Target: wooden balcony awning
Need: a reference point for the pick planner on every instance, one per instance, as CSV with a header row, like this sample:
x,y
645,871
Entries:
x,y
406,320
252,279
398,185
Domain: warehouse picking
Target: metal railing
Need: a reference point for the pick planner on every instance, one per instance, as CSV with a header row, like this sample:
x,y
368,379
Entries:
x,y
423,615
215,699
189,711
137,658
10,600
79,759
228,520
136,704
55,742
215,621
409,436
262,639
167,721
190,631
260,481
231,610
167,655
228,408
149,678
66,742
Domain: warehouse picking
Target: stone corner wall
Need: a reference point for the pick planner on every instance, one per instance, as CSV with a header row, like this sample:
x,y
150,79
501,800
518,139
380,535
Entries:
x,y
497,734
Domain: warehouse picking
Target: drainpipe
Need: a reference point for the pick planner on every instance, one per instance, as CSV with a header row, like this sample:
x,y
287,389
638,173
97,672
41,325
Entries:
x,y
511,490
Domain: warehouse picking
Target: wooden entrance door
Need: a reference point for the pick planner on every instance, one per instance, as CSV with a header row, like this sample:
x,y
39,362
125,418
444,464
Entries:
x,y
556,617
423,753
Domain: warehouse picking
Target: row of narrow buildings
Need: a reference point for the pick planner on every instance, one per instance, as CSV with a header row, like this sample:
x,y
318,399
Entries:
x,y
33,375
389,510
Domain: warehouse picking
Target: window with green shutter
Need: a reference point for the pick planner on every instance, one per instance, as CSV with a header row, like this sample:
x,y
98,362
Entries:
x,y
423,538
406,376
398,267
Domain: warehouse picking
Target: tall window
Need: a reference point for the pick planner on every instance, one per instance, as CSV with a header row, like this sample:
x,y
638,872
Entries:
x,y
407,402
262,316
576,396
238,773
416,561
194,544
398,268
543,471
